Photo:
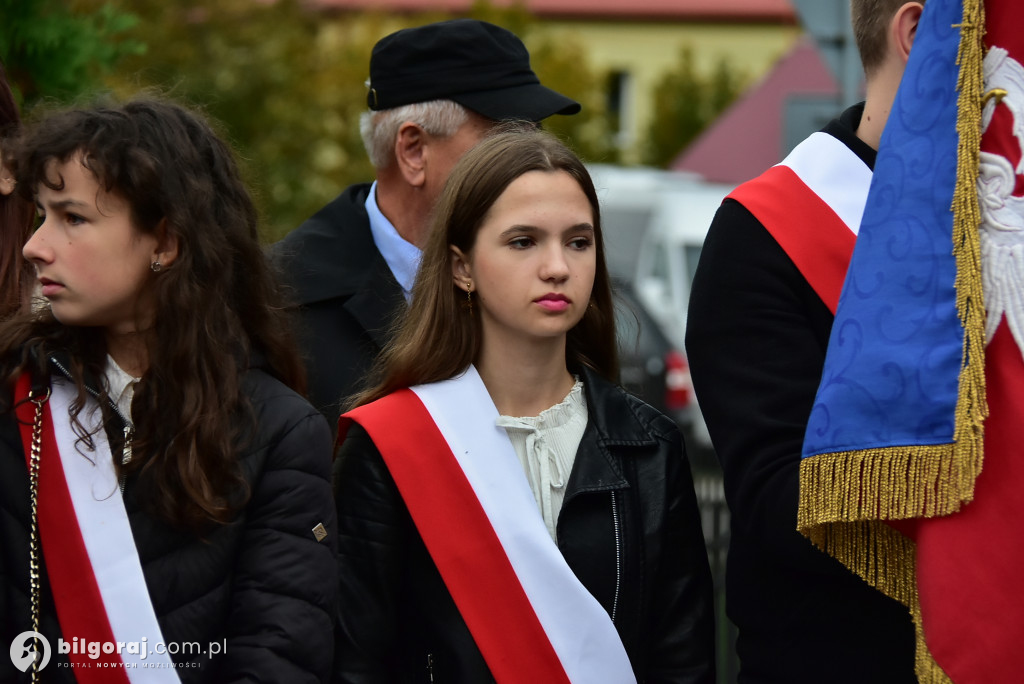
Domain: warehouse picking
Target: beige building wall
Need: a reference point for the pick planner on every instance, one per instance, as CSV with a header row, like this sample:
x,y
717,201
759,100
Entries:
x,y
645,51
642,51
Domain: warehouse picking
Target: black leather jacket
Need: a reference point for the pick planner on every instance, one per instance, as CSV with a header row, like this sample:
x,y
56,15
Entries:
x,y
398,622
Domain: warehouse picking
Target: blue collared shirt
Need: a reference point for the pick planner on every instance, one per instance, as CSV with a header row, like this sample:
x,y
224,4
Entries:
x,y
402,257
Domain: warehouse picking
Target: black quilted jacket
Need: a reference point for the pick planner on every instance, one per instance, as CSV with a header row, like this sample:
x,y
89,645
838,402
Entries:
x,y
262,583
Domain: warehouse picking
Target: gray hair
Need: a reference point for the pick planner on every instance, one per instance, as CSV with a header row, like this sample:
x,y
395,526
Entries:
x,y
440,118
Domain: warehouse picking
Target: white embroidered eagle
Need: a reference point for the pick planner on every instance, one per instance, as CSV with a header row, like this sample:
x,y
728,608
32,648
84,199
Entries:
x,y
1002,213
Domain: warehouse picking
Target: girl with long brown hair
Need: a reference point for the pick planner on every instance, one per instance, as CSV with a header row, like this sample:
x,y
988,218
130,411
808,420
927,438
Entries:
x,y
156,459
506,511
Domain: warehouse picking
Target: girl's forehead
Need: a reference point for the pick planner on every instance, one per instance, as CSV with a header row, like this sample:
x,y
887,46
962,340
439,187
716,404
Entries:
x,y
64,176
71,182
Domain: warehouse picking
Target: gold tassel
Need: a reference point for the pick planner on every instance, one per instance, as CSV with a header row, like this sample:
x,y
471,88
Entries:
x,y
972,407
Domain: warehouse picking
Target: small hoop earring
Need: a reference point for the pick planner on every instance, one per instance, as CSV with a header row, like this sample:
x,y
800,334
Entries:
x,y
156,267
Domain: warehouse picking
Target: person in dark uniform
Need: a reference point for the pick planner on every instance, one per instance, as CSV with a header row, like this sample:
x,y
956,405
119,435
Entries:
x,y
434,92
758,329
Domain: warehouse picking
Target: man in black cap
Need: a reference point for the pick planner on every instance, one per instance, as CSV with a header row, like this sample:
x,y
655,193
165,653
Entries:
x,y
434,92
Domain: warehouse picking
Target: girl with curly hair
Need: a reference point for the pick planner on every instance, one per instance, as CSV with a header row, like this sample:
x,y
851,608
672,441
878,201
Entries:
x,y
165,504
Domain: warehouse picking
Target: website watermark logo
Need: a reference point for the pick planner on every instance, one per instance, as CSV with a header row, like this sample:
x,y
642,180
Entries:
x,y
32,647
24,653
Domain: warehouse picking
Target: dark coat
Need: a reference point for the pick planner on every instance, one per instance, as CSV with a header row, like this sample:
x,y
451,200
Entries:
x,y
262,582
399,623
344,296
756,340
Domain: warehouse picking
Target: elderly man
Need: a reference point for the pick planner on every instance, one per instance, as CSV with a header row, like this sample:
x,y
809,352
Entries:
x,y
434,92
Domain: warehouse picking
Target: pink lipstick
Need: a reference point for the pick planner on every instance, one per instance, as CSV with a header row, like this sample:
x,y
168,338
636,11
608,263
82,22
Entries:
x,y
553,302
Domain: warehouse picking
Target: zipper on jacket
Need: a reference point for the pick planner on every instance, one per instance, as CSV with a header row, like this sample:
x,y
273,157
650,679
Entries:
x,y
618,554
430,666
129,431
126,454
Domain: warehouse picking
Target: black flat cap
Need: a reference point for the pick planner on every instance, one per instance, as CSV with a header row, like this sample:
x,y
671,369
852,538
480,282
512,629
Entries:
x,y
481,66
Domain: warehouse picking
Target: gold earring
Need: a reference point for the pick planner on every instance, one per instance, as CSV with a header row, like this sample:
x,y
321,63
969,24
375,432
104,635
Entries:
x,y
469,300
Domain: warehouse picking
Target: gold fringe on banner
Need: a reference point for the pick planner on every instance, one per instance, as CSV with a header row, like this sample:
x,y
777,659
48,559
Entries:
x,y
845,496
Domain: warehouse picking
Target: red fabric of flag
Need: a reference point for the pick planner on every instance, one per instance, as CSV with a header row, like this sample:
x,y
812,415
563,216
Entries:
x,y
970,564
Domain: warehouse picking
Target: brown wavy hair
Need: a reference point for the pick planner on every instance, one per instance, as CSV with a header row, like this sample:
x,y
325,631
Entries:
x,y
217,308
16,216
438,338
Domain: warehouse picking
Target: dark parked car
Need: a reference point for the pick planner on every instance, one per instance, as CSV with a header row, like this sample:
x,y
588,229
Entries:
x,y
650,367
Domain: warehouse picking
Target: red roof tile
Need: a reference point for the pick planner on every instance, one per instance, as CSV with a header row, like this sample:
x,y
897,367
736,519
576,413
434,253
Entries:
x,y
747,138
691,10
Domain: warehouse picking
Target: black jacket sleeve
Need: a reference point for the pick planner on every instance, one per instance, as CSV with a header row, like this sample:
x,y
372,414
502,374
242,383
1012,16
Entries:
x,y
285,581
375,532
682,647
756,340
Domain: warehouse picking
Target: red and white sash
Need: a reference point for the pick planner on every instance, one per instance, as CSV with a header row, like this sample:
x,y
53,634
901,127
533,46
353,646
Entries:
x,y
466,491
812,203
91,560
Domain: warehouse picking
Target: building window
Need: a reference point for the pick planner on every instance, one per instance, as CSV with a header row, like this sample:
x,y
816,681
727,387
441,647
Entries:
x,y
620,87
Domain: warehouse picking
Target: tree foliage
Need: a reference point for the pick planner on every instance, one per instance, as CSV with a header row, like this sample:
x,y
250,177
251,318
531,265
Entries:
x,y
685,103
563,66
286,87
288,84
50,50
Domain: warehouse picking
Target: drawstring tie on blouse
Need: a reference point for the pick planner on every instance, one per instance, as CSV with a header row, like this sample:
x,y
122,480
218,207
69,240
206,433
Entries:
x,y
546,445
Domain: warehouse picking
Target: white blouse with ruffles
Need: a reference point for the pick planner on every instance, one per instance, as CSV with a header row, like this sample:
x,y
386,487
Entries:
x,y
546,445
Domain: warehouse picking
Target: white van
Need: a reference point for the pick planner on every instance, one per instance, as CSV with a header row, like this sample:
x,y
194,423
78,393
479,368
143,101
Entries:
x,y
669,252
629,197
670,249
654,223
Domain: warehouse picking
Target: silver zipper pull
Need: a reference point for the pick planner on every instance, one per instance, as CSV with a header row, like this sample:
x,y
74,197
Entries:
x,y
126,452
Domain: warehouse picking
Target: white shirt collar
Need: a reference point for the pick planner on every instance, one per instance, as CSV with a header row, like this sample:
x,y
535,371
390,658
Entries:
x,y
120,387
402,257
